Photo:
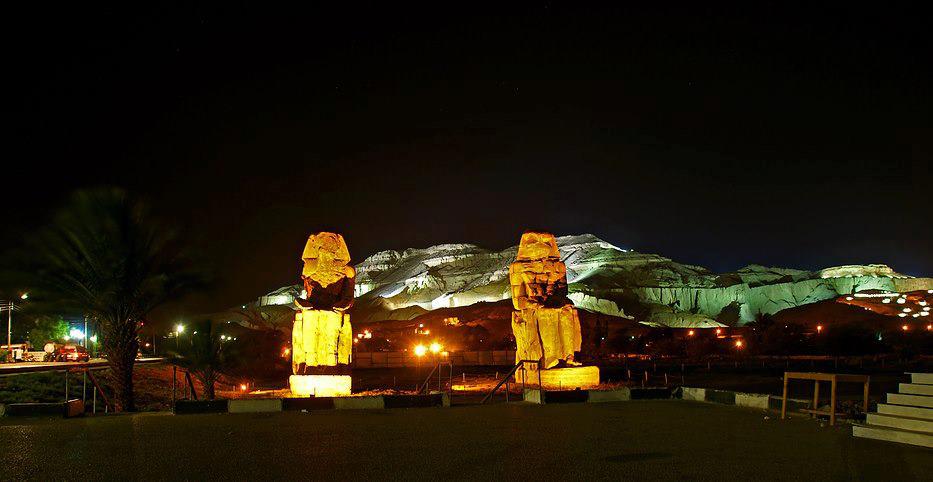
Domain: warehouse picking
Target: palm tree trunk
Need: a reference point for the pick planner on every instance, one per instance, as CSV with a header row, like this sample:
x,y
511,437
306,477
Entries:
x,y
121,345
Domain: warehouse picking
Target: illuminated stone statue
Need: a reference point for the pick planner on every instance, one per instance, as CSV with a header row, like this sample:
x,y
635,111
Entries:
x,y
322,339
545,324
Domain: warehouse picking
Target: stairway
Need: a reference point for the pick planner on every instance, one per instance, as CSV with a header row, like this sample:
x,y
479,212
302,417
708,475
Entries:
x,y
907,417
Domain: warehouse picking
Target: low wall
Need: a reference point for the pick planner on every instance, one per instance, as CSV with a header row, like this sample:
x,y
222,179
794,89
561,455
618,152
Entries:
x,y
258,405
759,401
623,394
398,359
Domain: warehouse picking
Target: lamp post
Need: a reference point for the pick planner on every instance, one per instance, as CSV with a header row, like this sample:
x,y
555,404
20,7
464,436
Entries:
x,y
10,306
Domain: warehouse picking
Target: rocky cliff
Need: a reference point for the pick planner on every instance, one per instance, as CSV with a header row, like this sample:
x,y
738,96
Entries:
x,y
603,278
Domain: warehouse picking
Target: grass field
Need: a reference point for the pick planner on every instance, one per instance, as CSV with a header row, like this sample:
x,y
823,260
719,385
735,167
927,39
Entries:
x,y
640,440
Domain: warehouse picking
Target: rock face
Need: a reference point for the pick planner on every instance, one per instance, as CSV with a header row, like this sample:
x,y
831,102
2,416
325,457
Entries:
x,y
601,278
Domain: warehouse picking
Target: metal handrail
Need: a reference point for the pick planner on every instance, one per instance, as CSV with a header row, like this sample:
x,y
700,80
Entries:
x,y
505,379
424,386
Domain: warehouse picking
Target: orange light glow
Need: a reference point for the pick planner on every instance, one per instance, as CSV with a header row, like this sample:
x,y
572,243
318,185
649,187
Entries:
x,y
905,327
243,387
286,351
819,328
929,327
420,350
738,343
435,347
718,331
690,333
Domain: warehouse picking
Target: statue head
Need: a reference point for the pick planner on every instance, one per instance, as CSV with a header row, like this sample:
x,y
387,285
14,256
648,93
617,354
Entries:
x,y
536,245
325,258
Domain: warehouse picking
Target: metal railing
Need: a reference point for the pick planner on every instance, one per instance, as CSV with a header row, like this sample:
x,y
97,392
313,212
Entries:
x,y
437,369
506,380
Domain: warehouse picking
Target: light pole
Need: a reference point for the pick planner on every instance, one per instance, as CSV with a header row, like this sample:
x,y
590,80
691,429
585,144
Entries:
x,y
10,306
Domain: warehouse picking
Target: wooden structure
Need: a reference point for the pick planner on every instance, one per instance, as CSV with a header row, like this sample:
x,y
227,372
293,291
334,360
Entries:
x,y
834,379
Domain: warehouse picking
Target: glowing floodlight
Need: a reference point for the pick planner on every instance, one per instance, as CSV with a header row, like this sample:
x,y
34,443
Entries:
x,y
435,347
420,350
924,313
849,298
901,301
24,296
690,333
738,344
886,300
905,327
902,314
76,334
907,310
179,328
819,328
922,303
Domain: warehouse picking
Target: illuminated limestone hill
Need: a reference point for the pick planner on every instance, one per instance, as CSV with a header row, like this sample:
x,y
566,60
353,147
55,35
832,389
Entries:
x,y
603,278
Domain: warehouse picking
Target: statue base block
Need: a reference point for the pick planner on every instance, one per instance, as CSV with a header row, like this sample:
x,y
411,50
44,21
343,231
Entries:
x,y
569,378
320,385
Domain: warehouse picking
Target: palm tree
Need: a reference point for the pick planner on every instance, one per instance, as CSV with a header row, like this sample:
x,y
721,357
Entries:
x,y
208,355
105,257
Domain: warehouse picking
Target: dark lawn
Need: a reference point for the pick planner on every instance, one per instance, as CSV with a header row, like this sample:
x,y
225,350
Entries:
x,y
641,440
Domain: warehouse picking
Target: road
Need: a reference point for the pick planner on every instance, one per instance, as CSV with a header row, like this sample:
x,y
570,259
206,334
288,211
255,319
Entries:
x,y
7,369
637,440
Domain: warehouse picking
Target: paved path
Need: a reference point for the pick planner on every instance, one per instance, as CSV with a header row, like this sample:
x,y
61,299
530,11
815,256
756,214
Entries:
x,y
638,440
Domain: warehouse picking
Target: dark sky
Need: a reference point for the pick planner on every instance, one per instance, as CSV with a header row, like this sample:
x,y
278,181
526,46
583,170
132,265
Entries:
x,y
788,136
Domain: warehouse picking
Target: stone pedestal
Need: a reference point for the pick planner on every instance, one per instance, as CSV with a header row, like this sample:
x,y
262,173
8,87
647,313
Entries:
x,y
320,385
569,378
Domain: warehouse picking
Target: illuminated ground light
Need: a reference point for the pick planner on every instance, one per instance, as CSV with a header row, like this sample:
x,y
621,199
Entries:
x,y
319,385
819,328
435,347
902,315
849,298
930,292
739,344
691,333
901,301
718,331
886,300
929,327
420,350
905,327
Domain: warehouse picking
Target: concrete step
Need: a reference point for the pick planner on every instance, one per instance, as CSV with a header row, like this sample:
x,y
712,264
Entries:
x,y
912,400
904,411
904,423
921,378
893,435
915,389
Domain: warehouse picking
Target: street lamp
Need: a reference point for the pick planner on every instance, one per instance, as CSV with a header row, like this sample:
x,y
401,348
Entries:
x,y
10,306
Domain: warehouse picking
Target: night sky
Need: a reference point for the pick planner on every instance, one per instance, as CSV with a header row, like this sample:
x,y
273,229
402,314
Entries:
x,y
796,137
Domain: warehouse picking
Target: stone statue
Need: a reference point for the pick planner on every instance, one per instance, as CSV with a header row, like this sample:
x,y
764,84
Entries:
x,y
546,325
322,339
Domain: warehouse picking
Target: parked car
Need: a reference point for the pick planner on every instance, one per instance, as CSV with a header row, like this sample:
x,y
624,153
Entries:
x,y
72,353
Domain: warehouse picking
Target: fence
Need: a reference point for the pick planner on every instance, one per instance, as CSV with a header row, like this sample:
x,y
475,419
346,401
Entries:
x,y
396,359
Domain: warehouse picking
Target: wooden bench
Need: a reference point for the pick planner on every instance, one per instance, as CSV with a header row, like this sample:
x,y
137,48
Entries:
x,y
834,379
